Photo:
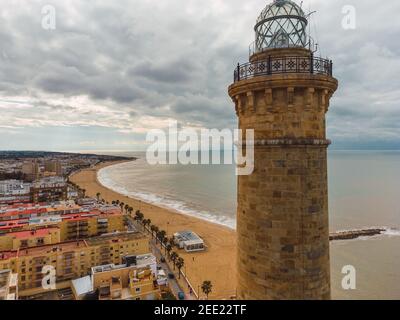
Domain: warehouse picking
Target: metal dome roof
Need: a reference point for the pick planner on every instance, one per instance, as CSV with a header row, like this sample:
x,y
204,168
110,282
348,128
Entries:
x,y
281,24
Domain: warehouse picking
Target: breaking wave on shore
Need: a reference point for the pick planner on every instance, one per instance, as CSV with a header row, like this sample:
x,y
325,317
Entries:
x,y
164,201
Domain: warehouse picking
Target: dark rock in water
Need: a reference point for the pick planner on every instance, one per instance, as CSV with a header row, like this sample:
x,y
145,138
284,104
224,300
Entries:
x,y
354,234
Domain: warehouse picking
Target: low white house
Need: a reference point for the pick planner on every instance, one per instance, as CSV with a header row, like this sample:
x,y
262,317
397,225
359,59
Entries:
x,y
189,241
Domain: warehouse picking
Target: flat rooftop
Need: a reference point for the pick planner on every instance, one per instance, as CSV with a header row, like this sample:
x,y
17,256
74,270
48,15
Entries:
x,y
54,219
187,236
28,234
8,213
115,237
82,285
71,245
141,262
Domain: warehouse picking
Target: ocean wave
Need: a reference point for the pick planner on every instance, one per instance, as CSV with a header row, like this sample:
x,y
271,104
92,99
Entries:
x,y
392,232
165,202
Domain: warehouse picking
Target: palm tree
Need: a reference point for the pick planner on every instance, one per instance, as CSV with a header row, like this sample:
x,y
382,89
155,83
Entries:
x,y
171,241
206,287
144,223
148,223
126,208
84,192
153,229
179,264
117,202
121,205
158,236
156,229
139,216
173,257
98,196
130,209
168,248
165,241
161,236
113,202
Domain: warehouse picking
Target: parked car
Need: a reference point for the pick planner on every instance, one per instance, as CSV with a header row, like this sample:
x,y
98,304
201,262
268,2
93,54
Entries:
x,y
171,275
181,295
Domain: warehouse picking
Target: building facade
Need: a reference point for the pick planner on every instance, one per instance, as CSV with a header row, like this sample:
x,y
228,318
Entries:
x,y
70,260
14,188
51,229
135,279
31,170
8,285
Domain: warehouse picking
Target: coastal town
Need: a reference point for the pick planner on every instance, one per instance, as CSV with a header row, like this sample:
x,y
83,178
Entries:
x,y
64,236
192,159
59,243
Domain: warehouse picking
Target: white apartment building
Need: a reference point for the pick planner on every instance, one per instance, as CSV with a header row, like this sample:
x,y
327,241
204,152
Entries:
x,y
14,187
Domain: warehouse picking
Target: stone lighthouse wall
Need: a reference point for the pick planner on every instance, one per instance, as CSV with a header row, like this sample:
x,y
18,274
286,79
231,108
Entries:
x,y
282,218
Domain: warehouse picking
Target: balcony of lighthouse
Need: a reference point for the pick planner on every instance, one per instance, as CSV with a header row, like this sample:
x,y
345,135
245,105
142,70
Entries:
x,y
282,44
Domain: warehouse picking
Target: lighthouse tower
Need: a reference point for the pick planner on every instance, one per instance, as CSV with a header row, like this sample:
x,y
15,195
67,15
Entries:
x,y
283,94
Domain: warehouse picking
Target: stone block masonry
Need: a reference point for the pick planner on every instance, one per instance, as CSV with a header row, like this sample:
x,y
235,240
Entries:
x,y
282,217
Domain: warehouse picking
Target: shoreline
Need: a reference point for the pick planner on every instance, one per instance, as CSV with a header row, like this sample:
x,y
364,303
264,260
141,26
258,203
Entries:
x,y
350,234
216,264
197,215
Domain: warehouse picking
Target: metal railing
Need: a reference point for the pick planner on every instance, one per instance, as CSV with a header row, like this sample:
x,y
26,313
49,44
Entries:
x,y
282,65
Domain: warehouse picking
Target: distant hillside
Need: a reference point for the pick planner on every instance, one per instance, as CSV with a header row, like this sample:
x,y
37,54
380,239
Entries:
x,y
48,154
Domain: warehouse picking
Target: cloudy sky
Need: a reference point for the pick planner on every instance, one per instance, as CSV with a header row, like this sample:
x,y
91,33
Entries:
x,y
112,70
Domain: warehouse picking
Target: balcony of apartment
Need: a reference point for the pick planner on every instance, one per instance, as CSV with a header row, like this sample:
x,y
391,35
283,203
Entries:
x,y
66,275
38,269
38,261
102,227
105,292
84,224
116,288
68,272
24,244
78,230
142,283
72,228
37,283
105,249
68,256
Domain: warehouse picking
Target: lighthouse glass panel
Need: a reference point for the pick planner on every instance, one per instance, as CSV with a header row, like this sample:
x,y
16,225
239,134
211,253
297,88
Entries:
x,y
281,24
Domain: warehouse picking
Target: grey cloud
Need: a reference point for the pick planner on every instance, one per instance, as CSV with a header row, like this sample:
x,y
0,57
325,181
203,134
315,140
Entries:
x,y
172,72
175,59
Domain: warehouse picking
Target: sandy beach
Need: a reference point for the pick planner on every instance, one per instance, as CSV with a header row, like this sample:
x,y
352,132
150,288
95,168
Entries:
x,y
216,264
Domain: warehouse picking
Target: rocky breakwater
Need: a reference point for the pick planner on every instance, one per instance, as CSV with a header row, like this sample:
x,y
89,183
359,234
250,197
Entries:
x,y
354,234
